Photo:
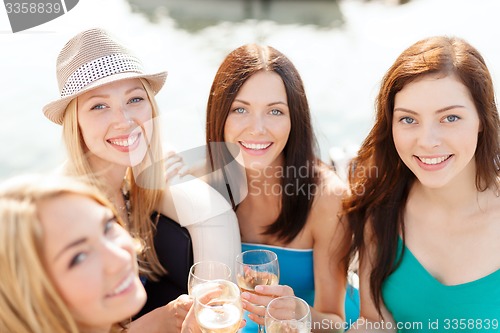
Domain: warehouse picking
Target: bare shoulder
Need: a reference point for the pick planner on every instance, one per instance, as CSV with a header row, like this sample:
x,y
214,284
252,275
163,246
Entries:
x,y
327,204
330,186
325,220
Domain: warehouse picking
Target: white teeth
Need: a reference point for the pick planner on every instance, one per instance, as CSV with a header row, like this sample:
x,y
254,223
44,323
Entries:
x,y
435,160
125,142
124,285
255,146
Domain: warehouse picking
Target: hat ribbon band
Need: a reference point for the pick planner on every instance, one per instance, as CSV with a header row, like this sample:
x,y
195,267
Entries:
x,y
98,69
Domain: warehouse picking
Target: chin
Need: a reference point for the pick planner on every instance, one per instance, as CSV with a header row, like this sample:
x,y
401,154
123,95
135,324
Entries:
x,y
136,158
257,166
140,298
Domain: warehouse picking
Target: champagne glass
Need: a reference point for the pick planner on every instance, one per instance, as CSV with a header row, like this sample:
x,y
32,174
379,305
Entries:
x,y
256,267
217,306
204,271
288,314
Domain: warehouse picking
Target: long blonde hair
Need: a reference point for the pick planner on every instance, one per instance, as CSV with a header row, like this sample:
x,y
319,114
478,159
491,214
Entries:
x,y
144,198
29,300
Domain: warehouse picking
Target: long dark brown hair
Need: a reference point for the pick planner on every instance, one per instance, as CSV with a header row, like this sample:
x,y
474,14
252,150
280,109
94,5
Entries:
x,y
301,148
379,179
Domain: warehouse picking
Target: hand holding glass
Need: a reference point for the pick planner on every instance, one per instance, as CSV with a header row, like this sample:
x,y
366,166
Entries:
x,y
257,267
217,306
288,314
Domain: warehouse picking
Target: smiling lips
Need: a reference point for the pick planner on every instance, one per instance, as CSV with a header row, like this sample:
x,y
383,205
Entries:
x,y
256,146
434,160
125,144
433,163
124,285
125,141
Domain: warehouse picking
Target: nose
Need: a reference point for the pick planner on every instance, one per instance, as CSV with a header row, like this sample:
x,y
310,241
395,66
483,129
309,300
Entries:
x,y
117,255
257,125
430,136
123,118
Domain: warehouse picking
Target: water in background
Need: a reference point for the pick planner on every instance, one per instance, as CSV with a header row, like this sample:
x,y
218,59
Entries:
x,y
341,66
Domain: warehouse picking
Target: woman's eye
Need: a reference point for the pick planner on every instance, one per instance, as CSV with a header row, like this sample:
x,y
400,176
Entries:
x,y
110,225
451,118
77,259
407,120
136,100
98,107
276,112
239,110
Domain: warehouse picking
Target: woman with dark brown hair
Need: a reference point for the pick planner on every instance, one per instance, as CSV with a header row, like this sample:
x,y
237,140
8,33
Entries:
x,y
425,206
258,108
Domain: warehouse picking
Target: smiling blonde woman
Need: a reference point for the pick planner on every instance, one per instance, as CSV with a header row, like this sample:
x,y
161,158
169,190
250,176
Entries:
x,y
67,263
109,119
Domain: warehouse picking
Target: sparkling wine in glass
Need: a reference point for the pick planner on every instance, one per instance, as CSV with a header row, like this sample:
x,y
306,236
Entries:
x,y
204,271
257,267
288,314
217,306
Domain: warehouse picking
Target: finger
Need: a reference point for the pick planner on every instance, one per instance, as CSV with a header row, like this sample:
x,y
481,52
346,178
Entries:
x,y
187,305
257,299
168,154
184,170
286,312
189,324
258,319
185,298
172,160
183,303
258,310
276,290
171,156
173,170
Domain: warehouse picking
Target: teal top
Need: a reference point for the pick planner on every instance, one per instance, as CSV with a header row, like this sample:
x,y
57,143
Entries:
x,y
418,302
297,271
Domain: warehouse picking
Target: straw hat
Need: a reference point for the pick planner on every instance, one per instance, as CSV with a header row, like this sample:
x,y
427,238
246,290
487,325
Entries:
x,y
92,59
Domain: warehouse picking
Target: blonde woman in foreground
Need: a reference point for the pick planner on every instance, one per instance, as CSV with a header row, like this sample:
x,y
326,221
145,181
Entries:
x,y
67,263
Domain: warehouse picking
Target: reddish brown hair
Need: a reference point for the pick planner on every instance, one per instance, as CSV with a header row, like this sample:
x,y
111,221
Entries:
x,y
379,179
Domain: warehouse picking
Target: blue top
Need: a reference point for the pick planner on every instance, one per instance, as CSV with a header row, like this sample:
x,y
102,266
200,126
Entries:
x,y
415,297
297,271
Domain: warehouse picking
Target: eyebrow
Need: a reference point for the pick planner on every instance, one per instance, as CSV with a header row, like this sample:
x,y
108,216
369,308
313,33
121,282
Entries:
x,y
69,246
270,104
107,95
437,111
105,218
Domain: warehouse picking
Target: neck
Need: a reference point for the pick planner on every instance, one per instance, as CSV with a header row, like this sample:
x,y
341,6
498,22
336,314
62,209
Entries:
x,y
111,177
272,172
104,329
266,180
110,174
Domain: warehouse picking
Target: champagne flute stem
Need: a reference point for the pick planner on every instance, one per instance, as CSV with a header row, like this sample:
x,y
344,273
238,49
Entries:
x,y
260,328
